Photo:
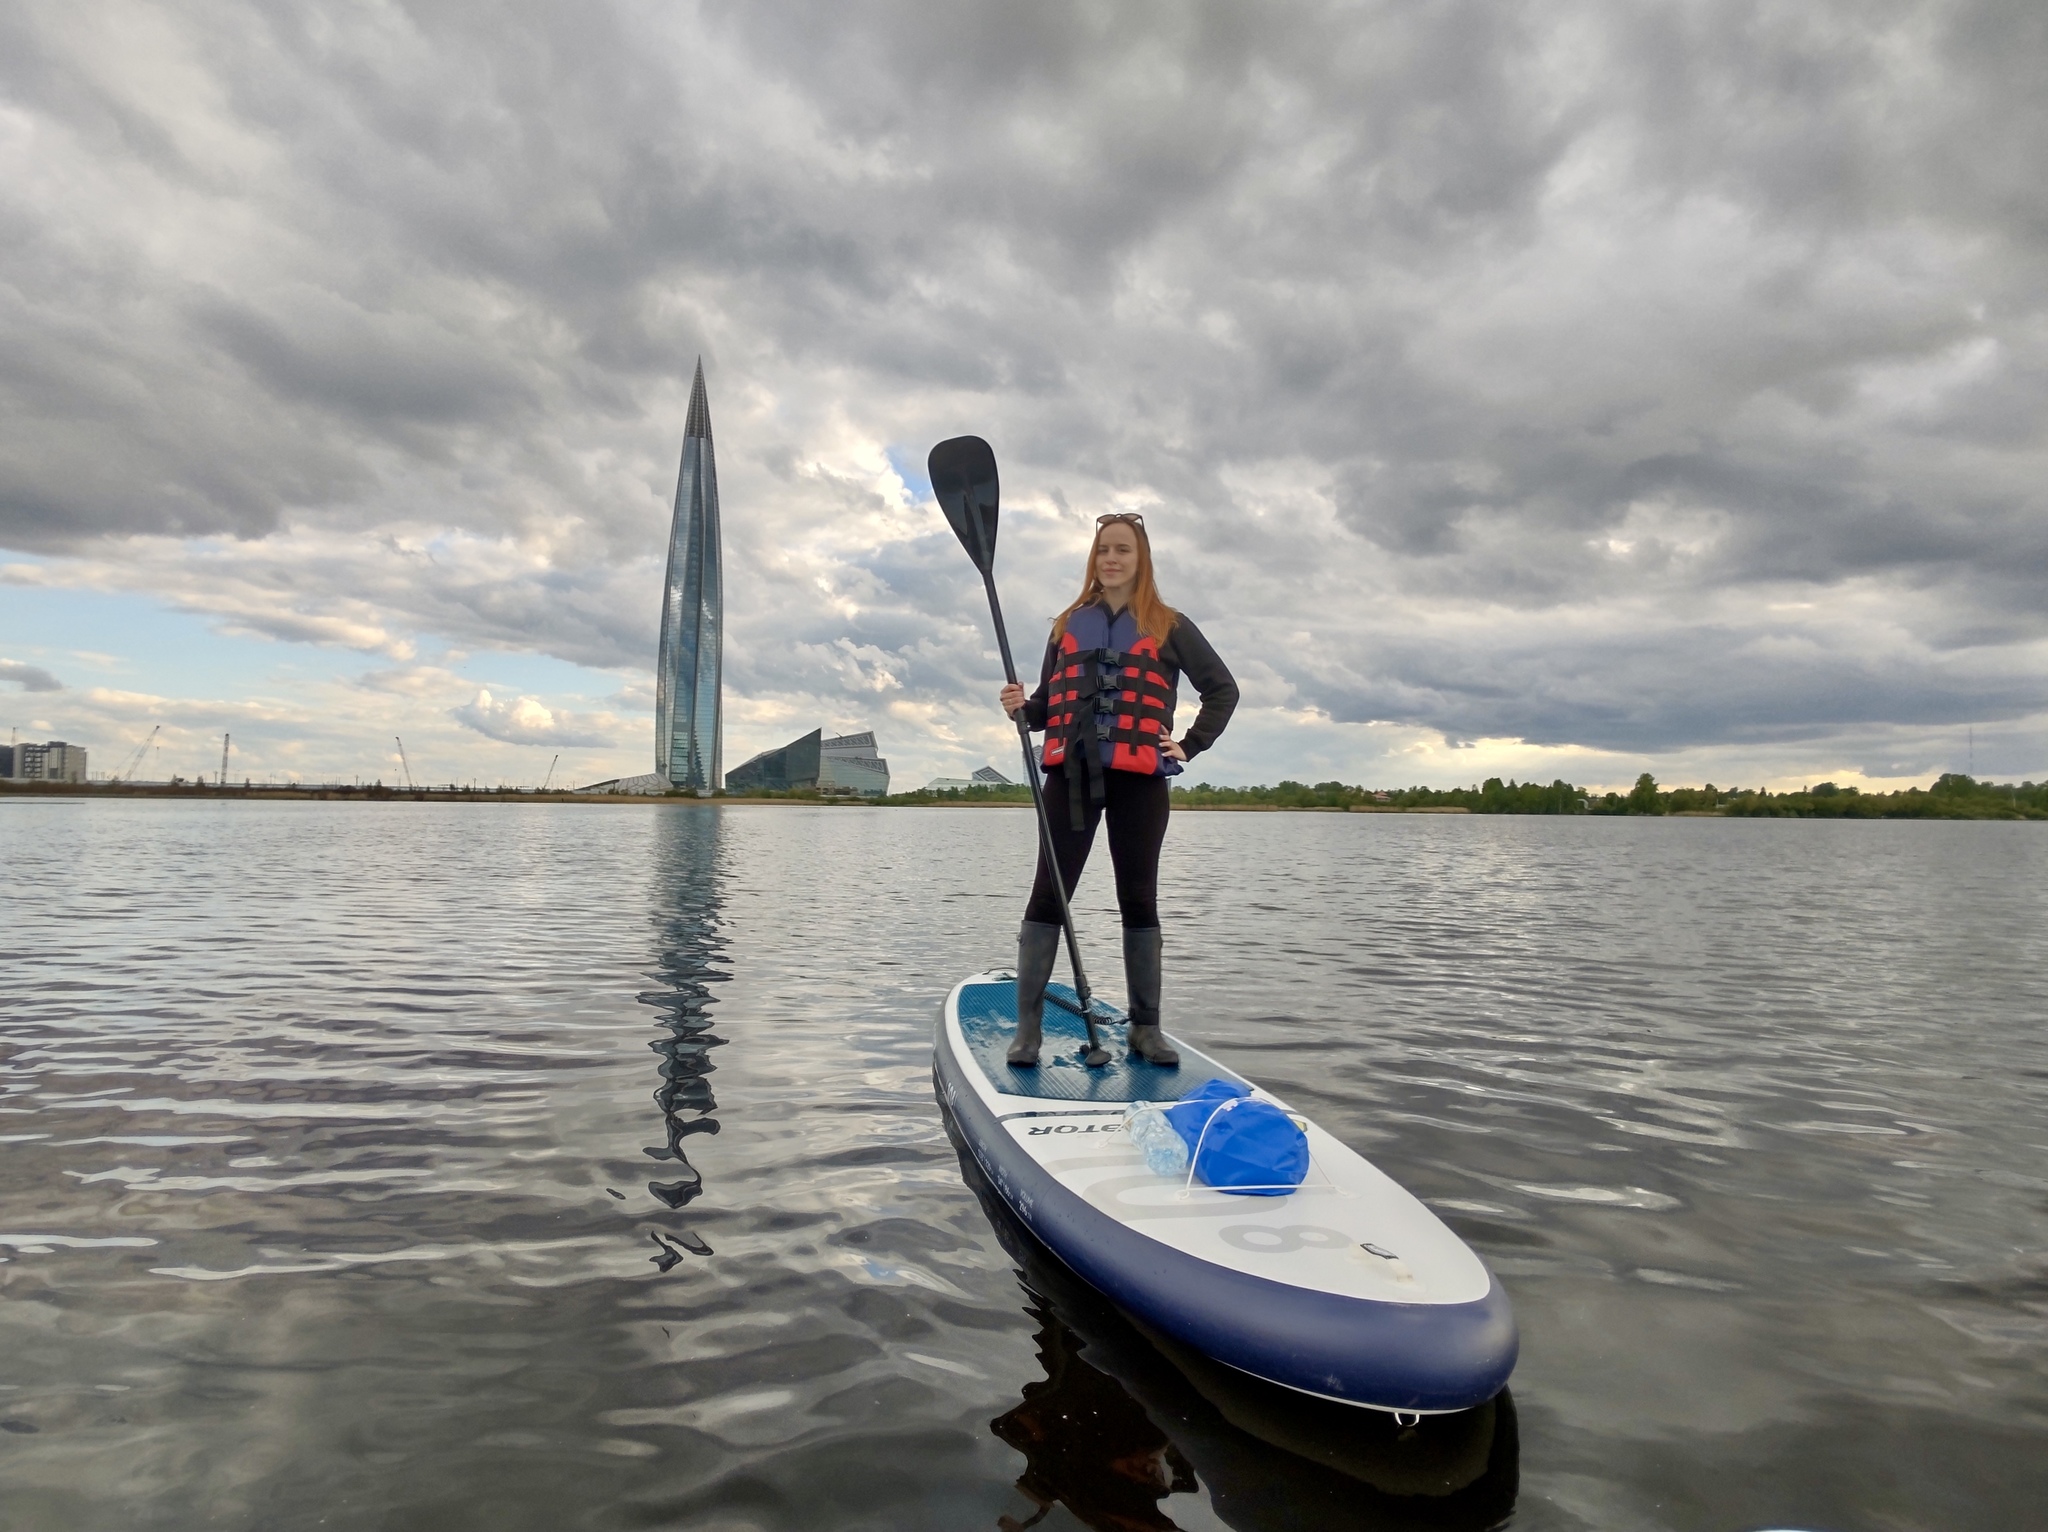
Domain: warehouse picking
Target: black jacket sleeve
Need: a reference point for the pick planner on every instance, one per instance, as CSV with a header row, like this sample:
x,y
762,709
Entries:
x,y
1186,649
1034,705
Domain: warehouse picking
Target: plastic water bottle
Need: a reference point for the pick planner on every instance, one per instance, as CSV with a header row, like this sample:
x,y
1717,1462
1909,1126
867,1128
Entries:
x,y
1165,1151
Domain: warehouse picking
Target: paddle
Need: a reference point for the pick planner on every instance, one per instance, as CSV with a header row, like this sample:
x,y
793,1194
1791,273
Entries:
x,y
963,475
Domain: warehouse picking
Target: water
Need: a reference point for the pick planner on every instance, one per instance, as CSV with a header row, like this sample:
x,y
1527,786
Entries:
x,y
446,1166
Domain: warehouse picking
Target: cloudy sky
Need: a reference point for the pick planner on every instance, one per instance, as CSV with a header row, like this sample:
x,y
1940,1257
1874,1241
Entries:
x,y
1569,387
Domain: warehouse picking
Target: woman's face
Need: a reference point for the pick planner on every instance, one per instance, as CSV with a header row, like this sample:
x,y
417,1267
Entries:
x,y
1116,555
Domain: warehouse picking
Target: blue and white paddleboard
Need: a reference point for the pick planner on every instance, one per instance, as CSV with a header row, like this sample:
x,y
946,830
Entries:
x,y
1347,1288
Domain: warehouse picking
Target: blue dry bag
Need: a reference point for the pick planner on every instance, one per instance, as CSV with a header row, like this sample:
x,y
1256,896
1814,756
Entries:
x,y
1240,1145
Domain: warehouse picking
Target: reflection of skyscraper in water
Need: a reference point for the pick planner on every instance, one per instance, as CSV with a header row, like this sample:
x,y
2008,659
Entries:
x,y
687,736
689,949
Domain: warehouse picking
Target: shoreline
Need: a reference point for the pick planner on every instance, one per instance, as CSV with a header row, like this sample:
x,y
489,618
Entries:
x,y
1912,805
308,792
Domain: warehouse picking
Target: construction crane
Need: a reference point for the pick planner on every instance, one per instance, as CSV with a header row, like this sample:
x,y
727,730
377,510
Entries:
x,y
402,761
551,771
134,762
224,758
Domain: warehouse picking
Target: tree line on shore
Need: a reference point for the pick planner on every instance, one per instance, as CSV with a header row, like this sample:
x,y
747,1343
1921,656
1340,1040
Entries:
x,y
1952,796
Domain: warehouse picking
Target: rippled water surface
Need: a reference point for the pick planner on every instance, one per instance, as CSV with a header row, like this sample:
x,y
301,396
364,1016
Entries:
x,y
498,1166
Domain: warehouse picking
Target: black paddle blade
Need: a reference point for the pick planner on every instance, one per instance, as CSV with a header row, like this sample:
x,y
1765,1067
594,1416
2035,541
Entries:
x,y
963,475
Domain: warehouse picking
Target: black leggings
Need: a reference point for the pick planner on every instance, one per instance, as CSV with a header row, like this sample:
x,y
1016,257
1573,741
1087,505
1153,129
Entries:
x,y
1137,806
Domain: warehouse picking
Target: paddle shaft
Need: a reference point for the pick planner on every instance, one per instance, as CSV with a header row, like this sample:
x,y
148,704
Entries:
x,y
1051,854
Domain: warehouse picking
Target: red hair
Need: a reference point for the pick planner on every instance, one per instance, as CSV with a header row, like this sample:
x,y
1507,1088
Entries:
x,y
1155,617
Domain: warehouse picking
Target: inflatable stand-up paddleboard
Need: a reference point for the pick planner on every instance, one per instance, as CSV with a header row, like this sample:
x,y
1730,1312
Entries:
x,y
1346,1287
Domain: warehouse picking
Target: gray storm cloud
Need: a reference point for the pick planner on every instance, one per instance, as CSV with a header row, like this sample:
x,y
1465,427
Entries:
x,y
30,678
1640,378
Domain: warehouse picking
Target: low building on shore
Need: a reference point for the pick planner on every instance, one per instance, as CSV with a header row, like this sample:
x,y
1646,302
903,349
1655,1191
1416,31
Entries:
x,y
987,776
845,764
646,782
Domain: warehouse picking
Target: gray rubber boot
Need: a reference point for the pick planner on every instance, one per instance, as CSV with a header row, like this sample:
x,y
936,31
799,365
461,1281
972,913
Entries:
x,y
1143,951
1038,948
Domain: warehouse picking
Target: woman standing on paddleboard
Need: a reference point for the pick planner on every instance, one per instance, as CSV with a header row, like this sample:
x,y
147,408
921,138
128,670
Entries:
x,y
1105,702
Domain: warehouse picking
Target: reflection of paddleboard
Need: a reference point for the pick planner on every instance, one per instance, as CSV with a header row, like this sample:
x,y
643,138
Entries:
x,y
1347,1288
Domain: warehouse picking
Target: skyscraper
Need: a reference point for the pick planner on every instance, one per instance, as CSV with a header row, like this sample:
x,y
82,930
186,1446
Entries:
x,y
687,737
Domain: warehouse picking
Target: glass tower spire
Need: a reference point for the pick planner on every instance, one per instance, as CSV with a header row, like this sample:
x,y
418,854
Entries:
x,y
687,736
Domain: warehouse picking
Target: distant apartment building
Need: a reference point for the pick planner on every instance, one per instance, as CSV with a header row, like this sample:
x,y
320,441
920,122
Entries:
x,y
847,763
53,761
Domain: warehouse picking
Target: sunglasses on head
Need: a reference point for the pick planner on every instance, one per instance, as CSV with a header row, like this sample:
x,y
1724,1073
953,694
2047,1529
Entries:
x,y
1132,517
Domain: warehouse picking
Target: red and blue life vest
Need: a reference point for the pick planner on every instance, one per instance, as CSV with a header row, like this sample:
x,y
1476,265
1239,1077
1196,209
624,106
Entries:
x,y
1110,689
